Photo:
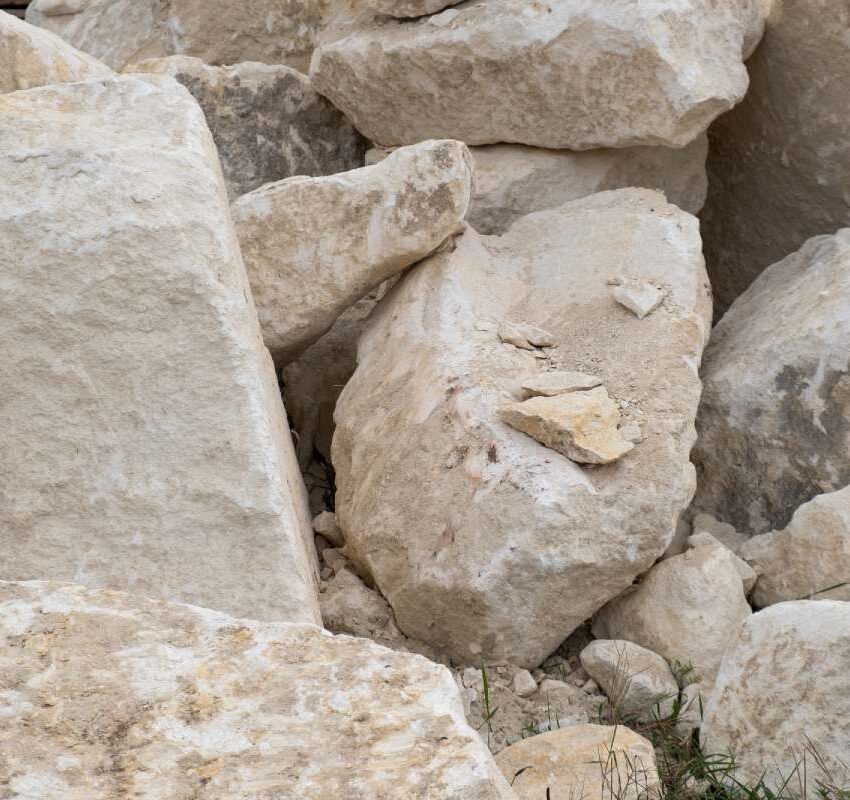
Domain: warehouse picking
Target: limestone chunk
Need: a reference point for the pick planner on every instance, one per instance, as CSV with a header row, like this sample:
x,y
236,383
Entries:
x,y
314,246
526,337
551,384
113,694
130,344
640,299
747,573
722,531
581,425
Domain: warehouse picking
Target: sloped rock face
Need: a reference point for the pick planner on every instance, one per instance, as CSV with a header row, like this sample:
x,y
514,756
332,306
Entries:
x,y
105,695
148,447
314,246
411,8
484,541
267,122
774,422
780,162
628,74
30,57
783,695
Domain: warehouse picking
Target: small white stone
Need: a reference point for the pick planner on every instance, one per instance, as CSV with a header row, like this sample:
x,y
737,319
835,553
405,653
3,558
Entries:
x,y
526,337
641,299
324,524
524,683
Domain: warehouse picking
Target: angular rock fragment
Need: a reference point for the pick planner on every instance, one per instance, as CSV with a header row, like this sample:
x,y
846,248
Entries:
x,y
809,559
722,531
485,543
781,704
641,299
267,121
147,445
411,8
105,694
551,384
314,246
489,70
745,571
774,422
30,57
527,337
583,426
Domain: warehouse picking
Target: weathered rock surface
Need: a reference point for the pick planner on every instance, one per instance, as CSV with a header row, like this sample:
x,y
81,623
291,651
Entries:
x,y
628,74
515,180
774,423
30,57
551,384
147,446
745,571
722,531
120,32
484,541
581,761
314,246
634,679
780,161
687,609
809,557
267,121
105,694
782,694
403,9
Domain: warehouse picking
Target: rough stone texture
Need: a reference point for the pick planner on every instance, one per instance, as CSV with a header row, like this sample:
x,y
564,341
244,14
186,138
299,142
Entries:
x,y
745,571
484,541
783,691
146,444
628,73
809,557
774,423
106,695
267,121
687,609
583,761
634,679
30,57
120,32
515,180
722,531
314,246
411,8
780,162
551,384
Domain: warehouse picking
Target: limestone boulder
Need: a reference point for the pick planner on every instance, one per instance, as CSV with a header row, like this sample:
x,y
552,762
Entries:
x,y
103,694
31,57
267,121
809,559
628,74
484,541
147,444
687,609
780,161
581,761
314,246
781,704
774,422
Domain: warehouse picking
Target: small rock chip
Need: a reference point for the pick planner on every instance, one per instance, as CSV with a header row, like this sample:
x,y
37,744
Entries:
x,y
641,299
324,524
583,426
526,337
524,683
550,384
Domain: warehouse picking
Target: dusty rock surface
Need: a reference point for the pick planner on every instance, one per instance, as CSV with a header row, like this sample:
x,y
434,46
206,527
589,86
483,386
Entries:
x,y
130,344
411,8
106,694
267,122
460,520
774,421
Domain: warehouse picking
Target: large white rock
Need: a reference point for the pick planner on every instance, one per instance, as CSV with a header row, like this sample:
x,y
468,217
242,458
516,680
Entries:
x,y
146,444
30,57
810,558
314,246
267,121
483,540
687,609
631,73
780,161
783,695
774,423
104,695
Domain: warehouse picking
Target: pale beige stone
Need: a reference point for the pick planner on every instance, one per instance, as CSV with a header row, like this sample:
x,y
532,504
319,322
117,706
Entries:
x,y
748,575
486,543
324,524
583,426
550,384
527,337
809,559
782,695
148,447
582,761
641,299
722,531
267,122
104,695
314,246
774,421
30,57
411,8
648,73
